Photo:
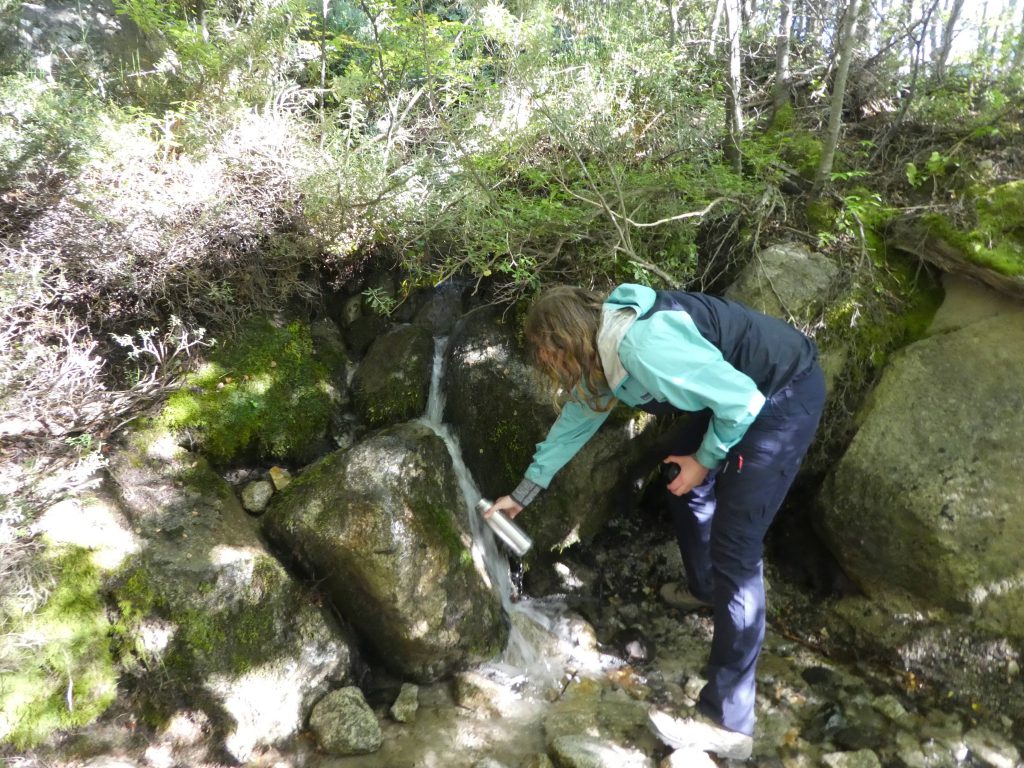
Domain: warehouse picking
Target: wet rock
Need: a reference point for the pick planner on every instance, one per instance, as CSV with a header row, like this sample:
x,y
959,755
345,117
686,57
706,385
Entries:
x,y
329,349
480,695
256,495
499,411
361,325
489,762
382,527
785,280
108,761
600,710
537,761
863,758
926,499
991,750
688,758
225,629
892,708
441,310
280,477
392,382
344,724
822,678
405,706
590,752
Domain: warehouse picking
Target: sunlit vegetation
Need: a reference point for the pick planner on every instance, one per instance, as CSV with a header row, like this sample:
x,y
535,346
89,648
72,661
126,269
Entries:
x,y
226,161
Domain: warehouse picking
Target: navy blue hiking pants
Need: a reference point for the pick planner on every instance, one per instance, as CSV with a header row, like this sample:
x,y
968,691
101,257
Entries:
x,y
721,526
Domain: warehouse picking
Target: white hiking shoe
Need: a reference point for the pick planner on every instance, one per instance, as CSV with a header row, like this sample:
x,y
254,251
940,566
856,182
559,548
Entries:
x,y
694,733
677,596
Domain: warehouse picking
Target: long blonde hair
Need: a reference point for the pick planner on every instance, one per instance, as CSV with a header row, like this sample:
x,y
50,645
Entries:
x,y
561,329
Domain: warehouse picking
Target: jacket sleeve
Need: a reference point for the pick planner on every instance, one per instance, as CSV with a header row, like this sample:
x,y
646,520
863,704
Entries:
x,y
670,358
575,425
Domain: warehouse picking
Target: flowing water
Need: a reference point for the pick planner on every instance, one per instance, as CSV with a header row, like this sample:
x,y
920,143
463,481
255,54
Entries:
x,y
544,645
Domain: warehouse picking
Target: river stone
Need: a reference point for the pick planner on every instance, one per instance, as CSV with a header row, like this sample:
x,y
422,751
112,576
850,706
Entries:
x,y
392,383
256,495
862,758
405,706
382,528
926,500
344,724
689,757
217,623
785,280
991,750
588,752
499,411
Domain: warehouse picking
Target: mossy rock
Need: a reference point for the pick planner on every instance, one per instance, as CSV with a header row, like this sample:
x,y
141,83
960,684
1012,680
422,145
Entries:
x,y
383,528
392,383
262,394
205,614
69,678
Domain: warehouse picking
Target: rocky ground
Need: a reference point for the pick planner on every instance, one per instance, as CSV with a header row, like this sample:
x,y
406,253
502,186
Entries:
x,y
616,651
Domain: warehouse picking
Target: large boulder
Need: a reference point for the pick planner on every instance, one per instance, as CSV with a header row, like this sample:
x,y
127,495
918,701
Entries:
x,y
392,383
382,527
926,500
499,411
785,280
208,619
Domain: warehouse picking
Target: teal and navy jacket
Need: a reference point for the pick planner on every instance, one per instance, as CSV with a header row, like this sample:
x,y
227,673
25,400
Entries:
x,y
687,351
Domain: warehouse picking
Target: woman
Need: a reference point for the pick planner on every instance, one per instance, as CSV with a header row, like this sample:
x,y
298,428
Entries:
x,y
756,392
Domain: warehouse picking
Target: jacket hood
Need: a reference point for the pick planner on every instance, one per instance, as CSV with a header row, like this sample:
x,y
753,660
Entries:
x,y
637,297
625,304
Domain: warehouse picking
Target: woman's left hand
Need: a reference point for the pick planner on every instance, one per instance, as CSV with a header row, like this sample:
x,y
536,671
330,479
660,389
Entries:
x,y
691,474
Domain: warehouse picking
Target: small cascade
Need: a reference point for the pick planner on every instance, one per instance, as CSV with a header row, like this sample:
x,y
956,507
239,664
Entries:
x,y
542,645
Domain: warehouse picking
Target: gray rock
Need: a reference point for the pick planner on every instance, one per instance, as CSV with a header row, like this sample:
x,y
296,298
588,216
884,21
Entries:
x,y
392,383
688,758
215,620
499,412
441,311
862,758
382,527
926,500
344,724
256,495
479,695
405,706
991,750
786,281
892,708
967,301
589,752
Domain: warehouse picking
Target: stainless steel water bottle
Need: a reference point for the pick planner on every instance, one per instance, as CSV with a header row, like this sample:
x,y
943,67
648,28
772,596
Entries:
x,y
510,533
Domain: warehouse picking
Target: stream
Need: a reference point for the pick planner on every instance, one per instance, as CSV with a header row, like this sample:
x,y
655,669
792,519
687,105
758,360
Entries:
x,y
574,692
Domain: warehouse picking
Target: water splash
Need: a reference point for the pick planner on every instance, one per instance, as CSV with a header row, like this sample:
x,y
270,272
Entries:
x,y
545,643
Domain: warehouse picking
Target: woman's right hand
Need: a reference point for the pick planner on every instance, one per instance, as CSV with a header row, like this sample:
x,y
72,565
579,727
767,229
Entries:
x,y
505,504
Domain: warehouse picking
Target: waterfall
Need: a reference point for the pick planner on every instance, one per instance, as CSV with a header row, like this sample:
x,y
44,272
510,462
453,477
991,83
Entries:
x,y
541,644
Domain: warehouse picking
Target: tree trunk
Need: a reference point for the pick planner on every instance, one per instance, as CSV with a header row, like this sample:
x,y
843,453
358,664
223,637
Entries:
x,y
715,22
1018,49
844,54
948,31
733,100
781,95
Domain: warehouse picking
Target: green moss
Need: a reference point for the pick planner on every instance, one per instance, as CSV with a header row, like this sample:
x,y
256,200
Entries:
x,y
441,521
263,391
997,240
69,677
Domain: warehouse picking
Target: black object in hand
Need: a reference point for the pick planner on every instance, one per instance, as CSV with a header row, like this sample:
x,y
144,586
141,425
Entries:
x,y
669,471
